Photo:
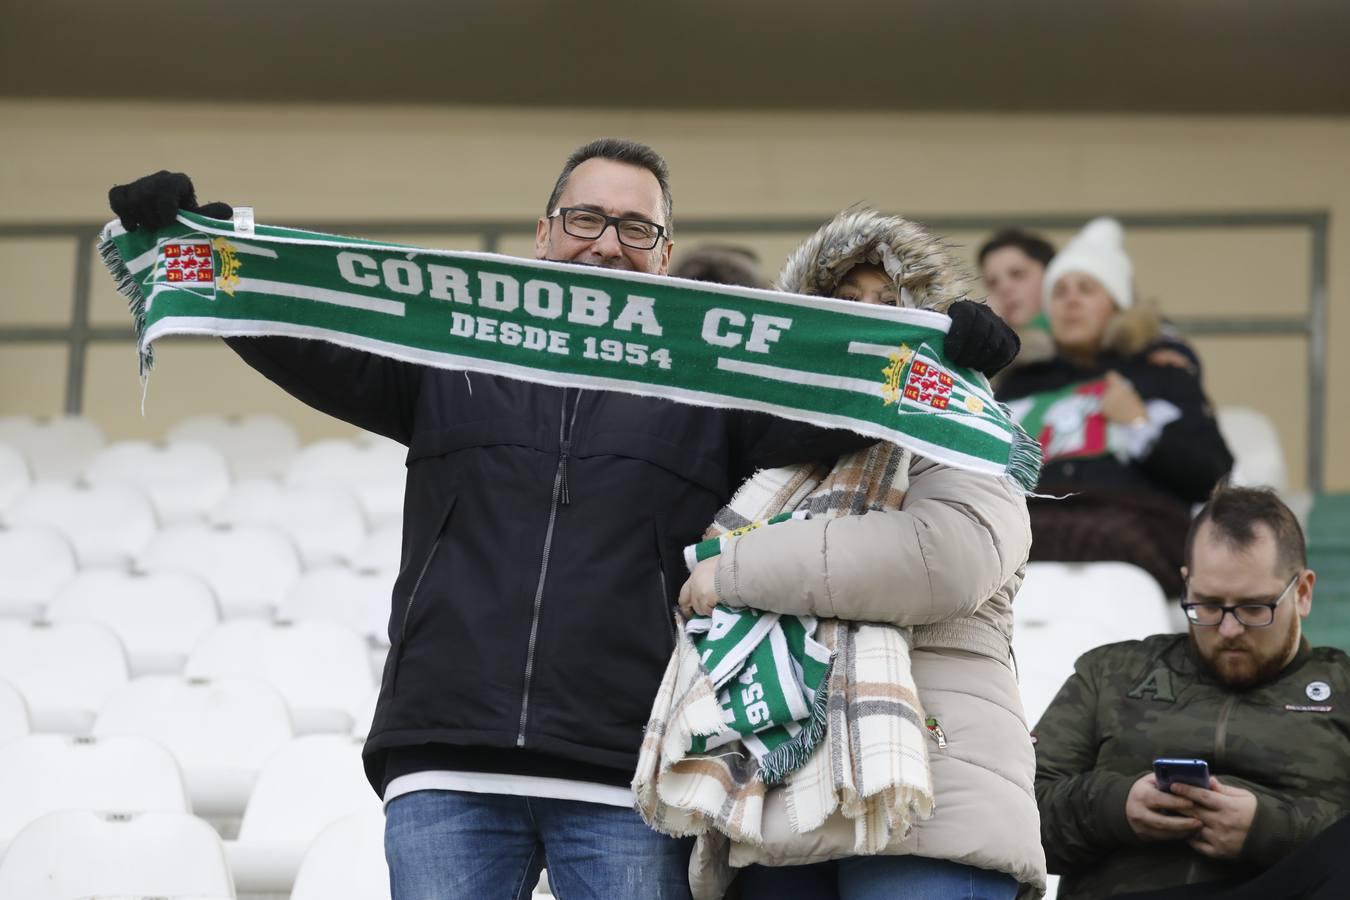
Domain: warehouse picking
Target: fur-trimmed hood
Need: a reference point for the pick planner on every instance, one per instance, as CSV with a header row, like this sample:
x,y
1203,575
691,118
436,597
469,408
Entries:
x,y
925,274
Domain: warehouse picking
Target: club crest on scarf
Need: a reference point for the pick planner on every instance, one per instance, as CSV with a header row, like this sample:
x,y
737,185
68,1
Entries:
x,y
914,377
197,263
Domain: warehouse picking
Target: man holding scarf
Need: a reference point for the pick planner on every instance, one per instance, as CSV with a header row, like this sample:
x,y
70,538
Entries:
x,y
531,620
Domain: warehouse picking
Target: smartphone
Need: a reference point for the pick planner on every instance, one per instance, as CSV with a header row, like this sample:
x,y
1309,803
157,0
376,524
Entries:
x,y
1183,771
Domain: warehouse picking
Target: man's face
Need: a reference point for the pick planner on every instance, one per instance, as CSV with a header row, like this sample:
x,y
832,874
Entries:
x,y
1241,656
1013,281
616,189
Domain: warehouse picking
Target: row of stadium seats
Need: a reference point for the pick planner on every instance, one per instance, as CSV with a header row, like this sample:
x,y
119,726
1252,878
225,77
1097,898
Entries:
x,y
68,672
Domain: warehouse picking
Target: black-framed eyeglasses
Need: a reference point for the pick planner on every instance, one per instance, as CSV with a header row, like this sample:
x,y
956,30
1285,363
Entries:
x,y
589,225
1251,615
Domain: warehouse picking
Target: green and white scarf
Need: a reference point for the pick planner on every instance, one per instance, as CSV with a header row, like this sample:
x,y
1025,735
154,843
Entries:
x,y
768,669
878,371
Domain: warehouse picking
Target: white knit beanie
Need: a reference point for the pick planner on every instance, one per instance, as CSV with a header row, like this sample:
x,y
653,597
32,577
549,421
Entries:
x,y
1098,250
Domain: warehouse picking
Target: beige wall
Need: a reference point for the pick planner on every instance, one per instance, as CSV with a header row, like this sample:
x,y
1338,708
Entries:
x,y
313,163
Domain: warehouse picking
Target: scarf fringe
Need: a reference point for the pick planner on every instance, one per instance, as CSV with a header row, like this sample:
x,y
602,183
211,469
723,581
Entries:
x,y
1024,460
786,758
129,287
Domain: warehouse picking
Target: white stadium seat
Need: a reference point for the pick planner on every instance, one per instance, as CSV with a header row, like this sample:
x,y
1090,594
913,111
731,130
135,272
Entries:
x,y
324,521
13,713
359,600
183,481
82,853
159,616
322,669
256,446
1065,609
35,561
14,474
45,773
374,470
365,716
64,672
1258,460
221,732
57,448
311,783
250,569
382,549
346,860
108,525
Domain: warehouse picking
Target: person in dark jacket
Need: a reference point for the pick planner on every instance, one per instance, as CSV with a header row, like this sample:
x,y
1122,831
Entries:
x,y
1133,443
1242,690
542,528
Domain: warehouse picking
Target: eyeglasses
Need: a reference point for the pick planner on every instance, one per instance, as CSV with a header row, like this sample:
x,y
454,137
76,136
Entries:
x,y
1251,615
589,224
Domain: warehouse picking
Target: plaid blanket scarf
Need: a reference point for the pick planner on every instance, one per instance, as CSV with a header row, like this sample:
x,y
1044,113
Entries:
x,y
872,762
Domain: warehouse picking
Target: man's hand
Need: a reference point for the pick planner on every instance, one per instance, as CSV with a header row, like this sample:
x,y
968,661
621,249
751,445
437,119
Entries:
x,y
1121,403
979,339
1225,814
153,201
699,594
1156,815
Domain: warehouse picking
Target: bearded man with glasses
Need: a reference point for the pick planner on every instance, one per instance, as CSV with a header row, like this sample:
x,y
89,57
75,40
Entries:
x,y
1241,690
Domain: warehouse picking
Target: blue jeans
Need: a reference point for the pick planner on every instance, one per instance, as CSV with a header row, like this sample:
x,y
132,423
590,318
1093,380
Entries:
x,y
449,844
875,878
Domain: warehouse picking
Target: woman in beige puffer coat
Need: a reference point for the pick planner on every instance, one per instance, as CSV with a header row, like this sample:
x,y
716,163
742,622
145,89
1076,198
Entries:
x,y
947,563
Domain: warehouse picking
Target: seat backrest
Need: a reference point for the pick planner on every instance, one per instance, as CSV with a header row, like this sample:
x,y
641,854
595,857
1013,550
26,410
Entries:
x,y
205,723
254,446
249,568
324,520
382,549
183,480
13,713
44,773
81,853
346,860
35,561
108,525
14,474
64,671
308,784
1120,596
56,448
357,599
374,470
1258,458
315,665
159,616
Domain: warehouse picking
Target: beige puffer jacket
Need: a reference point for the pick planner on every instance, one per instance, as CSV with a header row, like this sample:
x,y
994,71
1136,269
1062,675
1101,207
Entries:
x,y
949,563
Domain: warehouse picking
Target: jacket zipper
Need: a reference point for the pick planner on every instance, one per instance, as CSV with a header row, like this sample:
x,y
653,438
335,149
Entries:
x,y
665,598
1221,731
561,497
417,586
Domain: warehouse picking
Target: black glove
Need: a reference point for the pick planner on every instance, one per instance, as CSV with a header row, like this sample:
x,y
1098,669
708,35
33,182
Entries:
x,y
979,339
153,201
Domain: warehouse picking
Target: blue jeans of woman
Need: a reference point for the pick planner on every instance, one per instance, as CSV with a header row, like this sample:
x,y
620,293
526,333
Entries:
x,y
876,878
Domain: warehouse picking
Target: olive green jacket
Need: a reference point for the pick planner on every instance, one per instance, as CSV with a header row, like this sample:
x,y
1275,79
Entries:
x,y
1287,741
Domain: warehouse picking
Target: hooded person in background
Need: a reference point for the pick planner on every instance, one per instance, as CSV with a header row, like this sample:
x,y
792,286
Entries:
x,y
1133,442
918,545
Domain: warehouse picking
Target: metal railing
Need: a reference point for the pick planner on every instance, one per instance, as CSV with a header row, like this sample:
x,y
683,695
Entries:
x,y
1312,325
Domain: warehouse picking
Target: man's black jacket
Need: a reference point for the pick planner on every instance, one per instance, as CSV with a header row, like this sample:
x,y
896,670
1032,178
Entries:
x,y
542,531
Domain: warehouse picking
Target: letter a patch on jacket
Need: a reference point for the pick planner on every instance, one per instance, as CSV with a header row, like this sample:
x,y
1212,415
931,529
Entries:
x,y
1158,684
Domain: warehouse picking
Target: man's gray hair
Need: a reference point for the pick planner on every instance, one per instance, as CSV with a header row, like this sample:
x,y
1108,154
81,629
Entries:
x,y
624,151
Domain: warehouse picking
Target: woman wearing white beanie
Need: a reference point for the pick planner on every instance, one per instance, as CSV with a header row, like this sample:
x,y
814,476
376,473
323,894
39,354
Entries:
x,y
1134,442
